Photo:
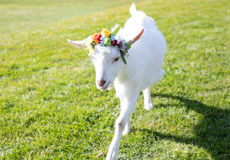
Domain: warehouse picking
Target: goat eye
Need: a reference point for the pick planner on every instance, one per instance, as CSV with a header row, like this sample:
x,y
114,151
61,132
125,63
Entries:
x,y
116,59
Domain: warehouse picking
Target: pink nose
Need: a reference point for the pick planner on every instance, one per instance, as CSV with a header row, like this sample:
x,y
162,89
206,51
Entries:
x,y
101,82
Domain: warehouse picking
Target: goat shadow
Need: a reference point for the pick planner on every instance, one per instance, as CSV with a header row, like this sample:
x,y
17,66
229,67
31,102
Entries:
x,y
212,133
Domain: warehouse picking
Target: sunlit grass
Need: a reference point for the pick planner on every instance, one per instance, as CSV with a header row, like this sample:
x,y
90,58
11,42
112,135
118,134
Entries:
x,y
50,107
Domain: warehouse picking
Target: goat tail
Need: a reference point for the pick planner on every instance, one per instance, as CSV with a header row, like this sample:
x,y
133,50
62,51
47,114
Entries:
x,y
132,9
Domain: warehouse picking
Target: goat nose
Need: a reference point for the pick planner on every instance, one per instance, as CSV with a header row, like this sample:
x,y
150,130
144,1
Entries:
x,y
101,82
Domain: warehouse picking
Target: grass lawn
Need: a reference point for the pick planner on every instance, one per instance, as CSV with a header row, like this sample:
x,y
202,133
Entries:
x,y
50,107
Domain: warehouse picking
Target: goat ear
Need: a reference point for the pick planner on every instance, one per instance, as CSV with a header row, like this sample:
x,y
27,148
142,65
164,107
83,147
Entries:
x,y
79,44
137,37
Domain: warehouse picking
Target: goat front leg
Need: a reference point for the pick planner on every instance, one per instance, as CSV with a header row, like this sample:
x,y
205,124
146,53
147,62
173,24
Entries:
x,y
127,127
127,107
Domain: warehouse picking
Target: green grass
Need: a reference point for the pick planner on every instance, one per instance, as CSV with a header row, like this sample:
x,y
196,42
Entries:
x,y
51,109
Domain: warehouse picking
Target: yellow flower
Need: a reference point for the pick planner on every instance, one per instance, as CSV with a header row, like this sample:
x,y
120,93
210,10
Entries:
x,y
91,50
105,33
88,41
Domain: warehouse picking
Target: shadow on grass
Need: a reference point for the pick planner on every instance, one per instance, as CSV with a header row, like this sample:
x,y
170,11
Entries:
x,y
212,133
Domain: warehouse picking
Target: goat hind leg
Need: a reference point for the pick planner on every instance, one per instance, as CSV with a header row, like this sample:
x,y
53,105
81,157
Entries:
x,y
147,98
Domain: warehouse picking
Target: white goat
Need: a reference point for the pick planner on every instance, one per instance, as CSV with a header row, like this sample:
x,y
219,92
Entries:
x,y
143,69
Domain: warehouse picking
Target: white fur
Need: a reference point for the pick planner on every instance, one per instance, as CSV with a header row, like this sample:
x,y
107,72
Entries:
x,y
144,68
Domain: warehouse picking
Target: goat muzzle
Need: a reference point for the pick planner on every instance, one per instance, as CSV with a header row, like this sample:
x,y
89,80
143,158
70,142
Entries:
x,y
101,82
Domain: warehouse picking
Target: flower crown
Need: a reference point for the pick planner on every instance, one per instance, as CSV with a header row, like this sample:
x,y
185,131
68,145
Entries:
x,y
106,38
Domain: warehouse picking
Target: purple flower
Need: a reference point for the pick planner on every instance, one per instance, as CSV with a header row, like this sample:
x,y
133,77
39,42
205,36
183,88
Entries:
x,y
114,42
121,44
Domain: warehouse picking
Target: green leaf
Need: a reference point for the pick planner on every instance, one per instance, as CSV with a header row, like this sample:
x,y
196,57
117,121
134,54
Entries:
x,y
116,30
123,58
128,46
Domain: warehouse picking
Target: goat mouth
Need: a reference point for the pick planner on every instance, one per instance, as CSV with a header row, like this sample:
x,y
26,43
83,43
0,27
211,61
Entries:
x,y
104,88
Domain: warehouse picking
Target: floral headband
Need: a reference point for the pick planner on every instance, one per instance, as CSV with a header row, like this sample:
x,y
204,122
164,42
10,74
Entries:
x,y
106,38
